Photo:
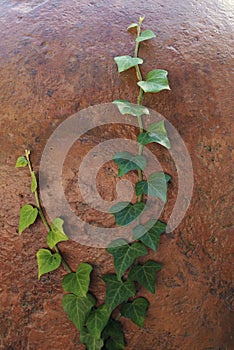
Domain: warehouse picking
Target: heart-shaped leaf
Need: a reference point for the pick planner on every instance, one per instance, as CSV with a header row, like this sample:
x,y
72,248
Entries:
x,y
127,162
145,35
28,215
149,233
21,162
145,274
155,186
91,342
97,321
136,310
156,80
155,133
56,234
113,336
47,261
126,62
78,282
124,254
129,213
126,107
77,308
117,291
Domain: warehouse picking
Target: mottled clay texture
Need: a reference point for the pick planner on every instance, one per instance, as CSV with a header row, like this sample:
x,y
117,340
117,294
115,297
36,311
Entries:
x,y
56,59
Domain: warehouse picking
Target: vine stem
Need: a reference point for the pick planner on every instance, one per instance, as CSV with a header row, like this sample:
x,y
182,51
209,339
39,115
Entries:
x,y
40,211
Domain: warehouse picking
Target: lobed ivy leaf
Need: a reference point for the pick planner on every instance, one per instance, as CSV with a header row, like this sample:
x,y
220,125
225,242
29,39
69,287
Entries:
x,y
21,162
126,107
47,261
149,233
91,342
133,25
156,81
145,35
97,321
136,310
28,215
117,291
127,161
155,186
155,133
78,282
125,212
145,274
33,182
124,254
113,336
127,62
77,308
56,234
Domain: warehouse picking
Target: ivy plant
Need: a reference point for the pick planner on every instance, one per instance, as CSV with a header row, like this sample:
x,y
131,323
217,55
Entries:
x,y
100,326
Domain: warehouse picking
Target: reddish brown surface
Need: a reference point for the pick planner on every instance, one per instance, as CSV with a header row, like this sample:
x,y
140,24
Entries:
x,y
57,58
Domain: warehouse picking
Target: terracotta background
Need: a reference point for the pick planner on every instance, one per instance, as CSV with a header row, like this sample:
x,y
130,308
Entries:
x,y
56,59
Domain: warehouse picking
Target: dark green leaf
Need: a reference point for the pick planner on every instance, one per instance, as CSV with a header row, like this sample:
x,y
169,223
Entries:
x,y
145,274
78,282
28,215
126,62
155,186
127,162
97,321
149,233
124,254
156,80
47,261
133,25
155,133
90,341
117,291
145,35
136,310
21,162
126,107
33,182
56,234
128,214
113,336
77,308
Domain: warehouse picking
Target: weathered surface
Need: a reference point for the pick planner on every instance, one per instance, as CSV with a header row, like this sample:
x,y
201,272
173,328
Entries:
x,y
57,58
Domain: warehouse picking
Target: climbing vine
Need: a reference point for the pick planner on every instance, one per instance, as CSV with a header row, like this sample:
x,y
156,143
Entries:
x,y
100,326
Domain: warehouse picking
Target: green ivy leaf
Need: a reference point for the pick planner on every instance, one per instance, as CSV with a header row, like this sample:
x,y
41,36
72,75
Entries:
x,y
126,62
133,25
136,310
33,182
77,308
156,80
91,342
126,107
149,233
145,35
117,291
124,254
145,274
155,133
155,186
28,215
129,213
56,234
21,162
127,162
47,261
113,336
97,321
78,282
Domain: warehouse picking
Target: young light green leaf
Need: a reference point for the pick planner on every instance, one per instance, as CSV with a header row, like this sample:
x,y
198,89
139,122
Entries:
x,y
136,310
130,212
149,233
21,162
113,336
155,133
33,182
78,282
124,254
91,342
156,80
127,162
133,25
28,215
56,234
77,308
126,107
126,62
117,291
145,35
155,186
47,261
97,321
145,274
